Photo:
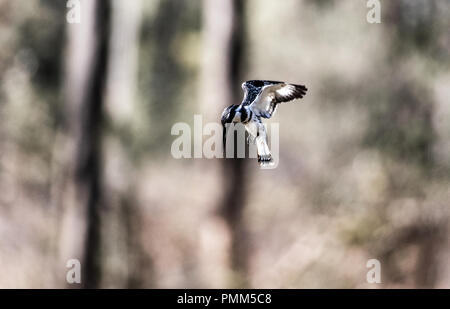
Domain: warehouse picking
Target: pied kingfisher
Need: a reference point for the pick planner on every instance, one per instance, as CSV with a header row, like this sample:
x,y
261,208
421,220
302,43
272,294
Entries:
x,y
261,98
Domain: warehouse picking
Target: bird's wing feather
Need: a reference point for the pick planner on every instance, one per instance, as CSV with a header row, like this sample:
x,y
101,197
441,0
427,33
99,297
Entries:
x,y
270,95
252,89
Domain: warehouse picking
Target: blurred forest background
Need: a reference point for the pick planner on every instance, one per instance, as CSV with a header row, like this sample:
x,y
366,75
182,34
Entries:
x,y
86,172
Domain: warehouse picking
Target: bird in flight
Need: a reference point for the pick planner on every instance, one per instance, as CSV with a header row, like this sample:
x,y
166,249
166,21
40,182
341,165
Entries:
x,y
261,98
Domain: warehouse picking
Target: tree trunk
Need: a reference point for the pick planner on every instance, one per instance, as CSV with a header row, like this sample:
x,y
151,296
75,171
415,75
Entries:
x,y
80,200
223,43
128,265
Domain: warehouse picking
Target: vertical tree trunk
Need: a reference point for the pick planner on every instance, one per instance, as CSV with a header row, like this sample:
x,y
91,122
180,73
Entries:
x,y
223,41
87,54
122,220
235,175
412,29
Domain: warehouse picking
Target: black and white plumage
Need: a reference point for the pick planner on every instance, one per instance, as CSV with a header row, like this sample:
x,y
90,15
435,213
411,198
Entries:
x,y
261,98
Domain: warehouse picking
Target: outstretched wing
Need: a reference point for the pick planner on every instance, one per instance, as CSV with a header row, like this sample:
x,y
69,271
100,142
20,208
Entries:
x,y
269,96
252,89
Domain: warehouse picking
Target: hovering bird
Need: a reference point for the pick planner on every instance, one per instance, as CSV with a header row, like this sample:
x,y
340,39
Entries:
x,y
261,99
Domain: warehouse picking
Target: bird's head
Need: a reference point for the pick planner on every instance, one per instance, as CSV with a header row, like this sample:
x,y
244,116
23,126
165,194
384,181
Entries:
x,y
231,115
